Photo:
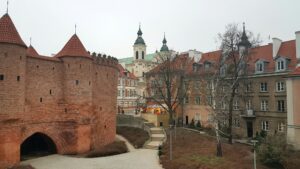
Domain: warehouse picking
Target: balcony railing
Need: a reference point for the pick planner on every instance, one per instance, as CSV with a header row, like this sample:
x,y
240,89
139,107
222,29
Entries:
x,y
248,113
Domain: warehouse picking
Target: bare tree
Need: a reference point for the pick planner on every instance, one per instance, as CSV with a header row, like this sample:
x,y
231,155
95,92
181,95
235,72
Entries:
x,y
166,84
232,72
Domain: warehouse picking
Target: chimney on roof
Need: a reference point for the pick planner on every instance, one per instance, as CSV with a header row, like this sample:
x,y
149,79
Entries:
x,y
276,45
298,46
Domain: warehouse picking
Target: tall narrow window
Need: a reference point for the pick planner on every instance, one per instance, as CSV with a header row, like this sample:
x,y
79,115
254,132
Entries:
x,y
197,100
143,54
77,82
41,100
280,65
264,87
1,77
18,78
50,92
280,105
136,55
264,105
265,125
280,86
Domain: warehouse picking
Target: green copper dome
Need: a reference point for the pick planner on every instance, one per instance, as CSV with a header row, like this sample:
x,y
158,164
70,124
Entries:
x,y
164,47
139,39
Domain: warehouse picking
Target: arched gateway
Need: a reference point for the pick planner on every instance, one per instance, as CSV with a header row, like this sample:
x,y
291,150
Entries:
x,y
37,145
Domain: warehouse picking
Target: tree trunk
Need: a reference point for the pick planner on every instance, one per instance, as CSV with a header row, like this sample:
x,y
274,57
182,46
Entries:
x,y
219,144
230,118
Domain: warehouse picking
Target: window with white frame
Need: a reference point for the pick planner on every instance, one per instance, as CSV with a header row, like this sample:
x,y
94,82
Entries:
x,y
264,105
248,104
236,105
264,87
265,125
259,67
280,86
281,127
280,64
280,105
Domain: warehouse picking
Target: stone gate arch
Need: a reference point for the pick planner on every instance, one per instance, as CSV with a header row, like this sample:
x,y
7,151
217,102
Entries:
x,y
36,145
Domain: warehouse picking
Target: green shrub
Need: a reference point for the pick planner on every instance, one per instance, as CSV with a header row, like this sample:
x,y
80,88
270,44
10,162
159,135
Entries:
x,y
192,124
198,125
271,150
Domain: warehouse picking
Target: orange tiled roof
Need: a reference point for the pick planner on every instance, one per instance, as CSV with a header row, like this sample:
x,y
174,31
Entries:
x,y
287,49
296,72
122,72
31,51
8,31
73,47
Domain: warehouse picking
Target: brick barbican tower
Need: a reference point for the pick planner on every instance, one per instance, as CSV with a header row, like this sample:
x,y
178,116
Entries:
x,y
64,104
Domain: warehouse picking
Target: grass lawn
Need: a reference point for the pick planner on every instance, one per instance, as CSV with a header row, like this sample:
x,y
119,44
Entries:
x,y
136,136
194,151
117,147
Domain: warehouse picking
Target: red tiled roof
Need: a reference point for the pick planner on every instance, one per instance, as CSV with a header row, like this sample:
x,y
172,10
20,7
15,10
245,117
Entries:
x,y
265,53
122,72
296,72
73,47
213,56
8,31
31,51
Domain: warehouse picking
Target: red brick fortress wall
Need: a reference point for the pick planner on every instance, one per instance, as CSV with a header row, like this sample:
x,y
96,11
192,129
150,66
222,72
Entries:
x,y
72,100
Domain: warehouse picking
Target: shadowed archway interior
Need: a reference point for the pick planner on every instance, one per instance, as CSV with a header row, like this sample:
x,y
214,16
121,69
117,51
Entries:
x,y
37,145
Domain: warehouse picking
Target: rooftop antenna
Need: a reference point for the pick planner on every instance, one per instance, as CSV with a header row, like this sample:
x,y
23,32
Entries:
x,y
75,29
7,3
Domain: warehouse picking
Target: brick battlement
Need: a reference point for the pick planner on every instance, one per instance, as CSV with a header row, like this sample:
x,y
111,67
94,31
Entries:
x,y
70,98
103,59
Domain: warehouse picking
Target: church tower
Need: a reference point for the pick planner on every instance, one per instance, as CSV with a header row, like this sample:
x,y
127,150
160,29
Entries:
x,y
139,47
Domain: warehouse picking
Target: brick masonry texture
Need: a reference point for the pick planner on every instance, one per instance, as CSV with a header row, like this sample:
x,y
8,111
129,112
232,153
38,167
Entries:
x,y
70,99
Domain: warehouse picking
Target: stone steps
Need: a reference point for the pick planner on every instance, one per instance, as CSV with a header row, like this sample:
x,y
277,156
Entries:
x,y
157,137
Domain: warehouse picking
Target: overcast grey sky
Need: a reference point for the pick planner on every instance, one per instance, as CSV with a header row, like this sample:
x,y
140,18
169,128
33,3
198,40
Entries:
x,y
110,26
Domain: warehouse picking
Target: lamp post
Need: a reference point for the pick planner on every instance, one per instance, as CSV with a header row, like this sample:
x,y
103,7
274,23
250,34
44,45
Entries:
x,y
254,153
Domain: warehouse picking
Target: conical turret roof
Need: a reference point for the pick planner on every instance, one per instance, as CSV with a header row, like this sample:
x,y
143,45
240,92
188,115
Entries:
x,y
8,32
32,52
73,47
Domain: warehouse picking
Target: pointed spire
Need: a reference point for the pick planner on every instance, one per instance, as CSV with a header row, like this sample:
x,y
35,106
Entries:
x,y
7,3
73,47
32,52
164,47
244,39
164,40
8,31
139,39
140,33
30,41
75,28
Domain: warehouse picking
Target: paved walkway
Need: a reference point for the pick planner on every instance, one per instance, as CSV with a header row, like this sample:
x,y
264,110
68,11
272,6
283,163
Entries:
x,y
135,159
157,136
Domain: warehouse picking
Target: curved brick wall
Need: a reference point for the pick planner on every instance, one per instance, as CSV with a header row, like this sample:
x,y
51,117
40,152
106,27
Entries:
x,y
77,116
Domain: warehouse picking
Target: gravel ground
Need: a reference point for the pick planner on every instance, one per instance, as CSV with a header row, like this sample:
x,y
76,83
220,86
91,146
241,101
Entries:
x,y
135,159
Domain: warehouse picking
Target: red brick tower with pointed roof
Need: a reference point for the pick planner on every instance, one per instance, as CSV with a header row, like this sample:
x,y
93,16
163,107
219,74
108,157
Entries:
x,y
69,100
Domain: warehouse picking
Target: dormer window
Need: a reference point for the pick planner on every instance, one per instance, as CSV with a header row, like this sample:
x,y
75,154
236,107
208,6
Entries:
x,y
281,64
259,67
